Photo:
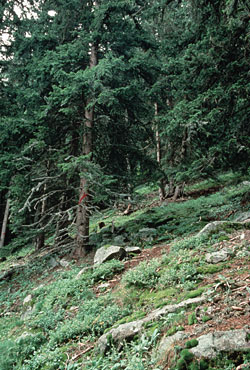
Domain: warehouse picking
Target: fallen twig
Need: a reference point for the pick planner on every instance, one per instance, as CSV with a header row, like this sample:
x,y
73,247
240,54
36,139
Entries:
x,y
237,308
81,353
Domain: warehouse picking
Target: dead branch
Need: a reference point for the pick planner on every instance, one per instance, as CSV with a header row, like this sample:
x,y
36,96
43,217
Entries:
x,y
74,358
27,202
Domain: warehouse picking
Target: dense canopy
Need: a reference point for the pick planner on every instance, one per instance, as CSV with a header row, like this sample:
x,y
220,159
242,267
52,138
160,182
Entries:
x,y
98,97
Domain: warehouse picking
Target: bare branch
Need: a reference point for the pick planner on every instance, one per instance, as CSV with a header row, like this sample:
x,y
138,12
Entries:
x,y
27,203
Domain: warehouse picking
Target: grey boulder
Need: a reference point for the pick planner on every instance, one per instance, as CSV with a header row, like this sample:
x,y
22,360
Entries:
x,y
210,345
104,254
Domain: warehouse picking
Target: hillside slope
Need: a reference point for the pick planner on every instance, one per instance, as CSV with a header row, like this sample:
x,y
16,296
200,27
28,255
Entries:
x,y
182,303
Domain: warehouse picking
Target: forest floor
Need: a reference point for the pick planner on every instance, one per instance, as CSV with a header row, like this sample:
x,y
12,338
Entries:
x,y
51,317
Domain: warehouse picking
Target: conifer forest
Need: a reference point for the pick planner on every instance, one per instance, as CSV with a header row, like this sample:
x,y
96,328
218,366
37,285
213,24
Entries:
x,y
122,122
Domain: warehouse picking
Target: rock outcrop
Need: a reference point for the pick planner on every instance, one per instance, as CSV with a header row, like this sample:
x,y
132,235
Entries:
x,y
212,226
129,330
210,345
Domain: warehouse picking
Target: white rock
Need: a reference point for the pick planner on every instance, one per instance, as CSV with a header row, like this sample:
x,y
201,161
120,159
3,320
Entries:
x,y
167,343
133,250
217,257
211,227
27,299
64,263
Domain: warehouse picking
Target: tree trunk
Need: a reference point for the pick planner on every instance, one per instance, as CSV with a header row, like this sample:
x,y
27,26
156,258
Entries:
x,y
41,236
176,193
63,221
171,188
162,192
5,222
83,216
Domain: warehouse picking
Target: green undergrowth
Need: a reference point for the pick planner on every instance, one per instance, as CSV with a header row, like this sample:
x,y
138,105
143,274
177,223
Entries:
x,y
66,312
170,219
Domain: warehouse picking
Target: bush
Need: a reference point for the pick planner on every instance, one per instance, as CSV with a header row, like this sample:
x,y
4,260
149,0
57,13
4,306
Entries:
x,y
178,274
145,275
13,354
106,270
93,318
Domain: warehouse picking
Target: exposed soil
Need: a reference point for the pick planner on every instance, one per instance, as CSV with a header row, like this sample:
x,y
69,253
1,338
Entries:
x,y
203,192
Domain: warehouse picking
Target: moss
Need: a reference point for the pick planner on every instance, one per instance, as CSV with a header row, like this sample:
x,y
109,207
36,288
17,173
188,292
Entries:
x,y
181,364
135,316
191,343
227,227
171,331
210,269
188,356
106,246
185,358
159,298
195,293
206,318
192,319
109,340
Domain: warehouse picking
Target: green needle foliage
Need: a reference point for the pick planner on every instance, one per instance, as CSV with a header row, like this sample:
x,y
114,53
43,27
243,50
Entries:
x,y
190,59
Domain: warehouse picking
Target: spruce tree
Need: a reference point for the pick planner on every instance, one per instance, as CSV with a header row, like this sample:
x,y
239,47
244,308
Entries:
x,y
80,80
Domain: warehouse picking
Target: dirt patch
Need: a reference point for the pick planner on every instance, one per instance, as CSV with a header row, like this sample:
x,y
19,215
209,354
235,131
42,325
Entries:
x,y
203,192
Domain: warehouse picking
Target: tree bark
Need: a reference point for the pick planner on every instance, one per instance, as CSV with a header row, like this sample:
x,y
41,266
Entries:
x,y
5,222
83,216
162,192
40,239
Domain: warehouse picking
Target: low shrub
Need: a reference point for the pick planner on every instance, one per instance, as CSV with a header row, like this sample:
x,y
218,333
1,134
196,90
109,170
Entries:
x,y
145,275
13,354
178,274
106,270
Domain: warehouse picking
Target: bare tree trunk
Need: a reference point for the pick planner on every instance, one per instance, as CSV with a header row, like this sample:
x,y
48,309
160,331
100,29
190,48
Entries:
x,y
176,193
40,238
162,193
83,216
40,241
5,222
63,221
179,191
